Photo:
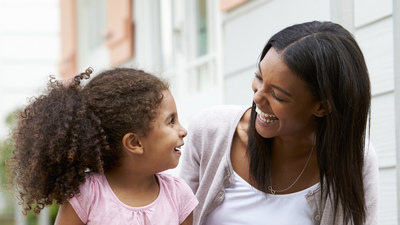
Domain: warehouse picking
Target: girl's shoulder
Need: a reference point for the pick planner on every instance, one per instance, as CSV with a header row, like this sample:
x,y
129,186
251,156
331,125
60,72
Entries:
x,y
176,190
93,182
173,184
170,180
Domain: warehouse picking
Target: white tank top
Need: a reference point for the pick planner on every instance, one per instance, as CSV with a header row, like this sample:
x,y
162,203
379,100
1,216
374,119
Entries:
x,y
243,204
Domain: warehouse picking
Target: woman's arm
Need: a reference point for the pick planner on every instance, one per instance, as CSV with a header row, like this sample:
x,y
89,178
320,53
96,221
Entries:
x,y
188,220
67,216
191,156
371,184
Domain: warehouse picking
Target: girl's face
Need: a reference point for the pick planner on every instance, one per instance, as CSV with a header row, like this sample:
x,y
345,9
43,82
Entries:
x,y
284,106
162,144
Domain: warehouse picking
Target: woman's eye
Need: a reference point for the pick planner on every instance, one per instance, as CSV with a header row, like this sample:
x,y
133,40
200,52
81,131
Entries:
x,y
276,97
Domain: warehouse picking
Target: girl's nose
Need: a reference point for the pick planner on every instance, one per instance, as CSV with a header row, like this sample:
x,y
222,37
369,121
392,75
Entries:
x,y
183,132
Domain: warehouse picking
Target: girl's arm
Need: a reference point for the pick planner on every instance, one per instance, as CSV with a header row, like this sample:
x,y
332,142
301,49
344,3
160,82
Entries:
x,y
188,220
67,216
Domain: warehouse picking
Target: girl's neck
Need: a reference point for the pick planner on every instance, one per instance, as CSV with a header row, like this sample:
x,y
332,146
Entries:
x,y
124,177
133,188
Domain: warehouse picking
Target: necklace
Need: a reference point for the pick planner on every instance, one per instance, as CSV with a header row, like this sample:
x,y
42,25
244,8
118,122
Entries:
x,y
273,191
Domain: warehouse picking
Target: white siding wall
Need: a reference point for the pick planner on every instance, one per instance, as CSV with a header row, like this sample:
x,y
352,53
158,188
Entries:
x,y
374,32
29,53
29,50
248,28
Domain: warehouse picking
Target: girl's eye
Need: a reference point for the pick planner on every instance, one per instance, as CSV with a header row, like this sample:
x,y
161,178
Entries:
x,y
258,76
276,97
172,121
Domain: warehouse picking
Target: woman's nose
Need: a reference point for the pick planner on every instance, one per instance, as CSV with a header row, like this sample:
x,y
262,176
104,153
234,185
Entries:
x,y
256,89
259,96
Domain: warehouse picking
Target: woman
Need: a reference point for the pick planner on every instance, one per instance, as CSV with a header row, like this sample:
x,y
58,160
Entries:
x,y
299,155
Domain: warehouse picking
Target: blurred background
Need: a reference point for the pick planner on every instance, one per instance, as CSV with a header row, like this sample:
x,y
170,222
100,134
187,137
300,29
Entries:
x,y
207,49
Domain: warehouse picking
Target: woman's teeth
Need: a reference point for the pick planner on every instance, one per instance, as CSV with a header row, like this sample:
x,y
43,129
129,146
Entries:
x,y
265,117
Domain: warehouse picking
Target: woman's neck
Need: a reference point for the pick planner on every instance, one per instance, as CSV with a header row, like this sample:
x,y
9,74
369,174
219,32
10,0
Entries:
x,y
292,147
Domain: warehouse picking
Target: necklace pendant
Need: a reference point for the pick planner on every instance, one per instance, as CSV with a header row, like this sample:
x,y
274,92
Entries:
x,y
271,190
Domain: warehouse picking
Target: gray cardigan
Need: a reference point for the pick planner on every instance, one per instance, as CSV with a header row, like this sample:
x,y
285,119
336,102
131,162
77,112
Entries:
x,y
207,168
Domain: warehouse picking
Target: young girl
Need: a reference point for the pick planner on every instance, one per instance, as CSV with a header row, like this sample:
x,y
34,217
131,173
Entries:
x,y
98,150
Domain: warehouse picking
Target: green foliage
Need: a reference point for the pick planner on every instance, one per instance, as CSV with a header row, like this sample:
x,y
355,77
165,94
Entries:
x,y
5,153
10,119
6,190
53,210
32,219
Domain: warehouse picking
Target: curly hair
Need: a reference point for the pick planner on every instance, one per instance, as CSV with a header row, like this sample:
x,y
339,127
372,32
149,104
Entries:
x,y
70,130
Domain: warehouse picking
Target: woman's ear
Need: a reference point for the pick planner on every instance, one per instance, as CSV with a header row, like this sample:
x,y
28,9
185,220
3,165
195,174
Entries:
x,y
131,143
322,109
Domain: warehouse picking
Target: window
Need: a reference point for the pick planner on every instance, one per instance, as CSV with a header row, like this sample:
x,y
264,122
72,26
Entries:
x,y
201,28
68,63
189,53
92,16
202,56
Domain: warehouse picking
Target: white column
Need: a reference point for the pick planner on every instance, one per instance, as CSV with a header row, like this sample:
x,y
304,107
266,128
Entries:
x,y
44,217
218,45
396,39
147,34
342,12
19,218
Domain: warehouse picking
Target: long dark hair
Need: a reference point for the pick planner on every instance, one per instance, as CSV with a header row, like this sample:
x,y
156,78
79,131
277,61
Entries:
x,y
71,129
329,60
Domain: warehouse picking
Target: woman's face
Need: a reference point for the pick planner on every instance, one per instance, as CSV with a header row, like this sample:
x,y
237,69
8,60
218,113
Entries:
x,y
284,106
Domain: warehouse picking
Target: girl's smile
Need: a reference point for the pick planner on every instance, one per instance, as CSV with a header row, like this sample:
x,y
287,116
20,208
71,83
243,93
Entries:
x,y
163,144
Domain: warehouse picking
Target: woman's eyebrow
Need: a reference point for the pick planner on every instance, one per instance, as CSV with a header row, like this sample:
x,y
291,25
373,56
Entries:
x,y
282,90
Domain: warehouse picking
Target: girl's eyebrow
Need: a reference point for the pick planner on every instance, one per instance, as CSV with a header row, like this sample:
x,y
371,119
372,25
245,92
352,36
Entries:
x,y
282,90
171,116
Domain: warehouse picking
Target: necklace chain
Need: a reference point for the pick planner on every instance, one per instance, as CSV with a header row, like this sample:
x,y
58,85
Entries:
x,y
273,191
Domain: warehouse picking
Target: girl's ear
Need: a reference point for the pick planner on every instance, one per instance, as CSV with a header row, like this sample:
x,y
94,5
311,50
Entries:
x,y
131,143
323,110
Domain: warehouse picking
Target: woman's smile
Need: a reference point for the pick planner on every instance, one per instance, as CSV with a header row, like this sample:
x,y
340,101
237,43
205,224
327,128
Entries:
x,y
284,105
266,119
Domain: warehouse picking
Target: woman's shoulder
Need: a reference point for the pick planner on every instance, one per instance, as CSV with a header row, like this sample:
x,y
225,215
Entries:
x,y
218,116
221,110
370,157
